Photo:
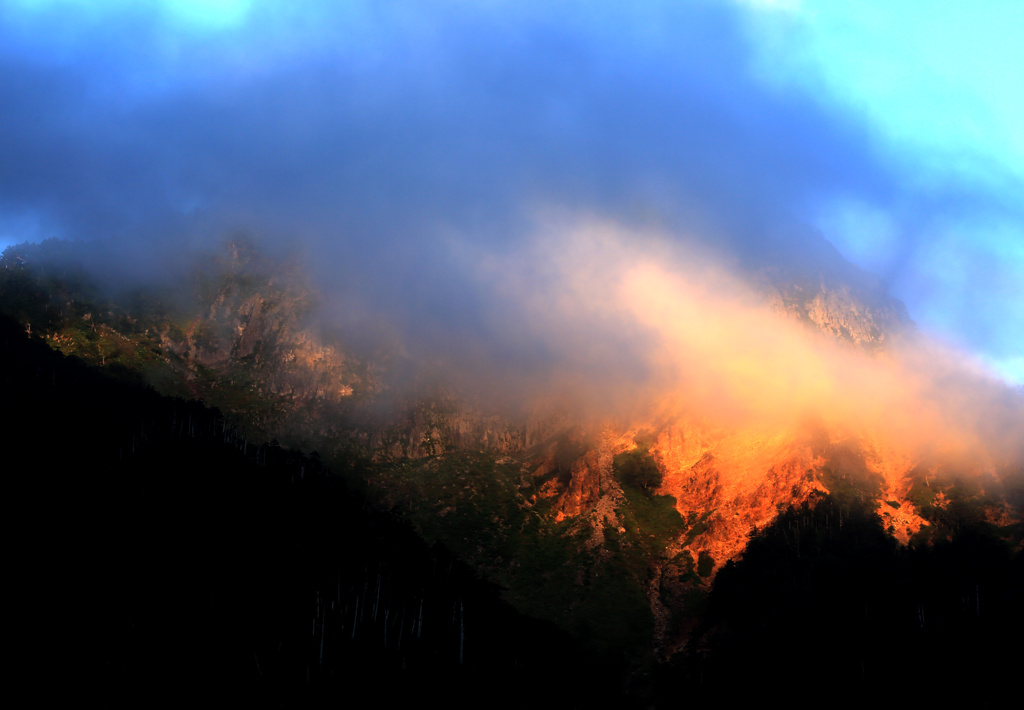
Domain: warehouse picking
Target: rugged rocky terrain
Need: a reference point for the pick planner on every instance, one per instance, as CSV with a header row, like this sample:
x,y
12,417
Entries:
x,y
542,505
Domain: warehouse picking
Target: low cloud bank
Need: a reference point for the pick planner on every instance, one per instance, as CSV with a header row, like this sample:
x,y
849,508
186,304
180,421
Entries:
x,y
623,323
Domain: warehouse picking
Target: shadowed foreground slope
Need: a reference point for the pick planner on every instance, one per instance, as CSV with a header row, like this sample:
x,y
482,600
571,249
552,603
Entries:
x,y
159,554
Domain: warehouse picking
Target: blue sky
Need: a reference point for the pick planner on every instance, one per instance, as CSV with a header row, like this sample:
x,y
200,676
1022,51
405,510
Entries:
x,y
369,131
937,84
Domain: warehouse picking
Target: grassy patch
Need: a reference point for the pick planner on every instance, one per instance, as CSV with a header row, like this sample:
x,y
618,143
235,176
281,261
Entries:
x,y
848,478
637,468
656,518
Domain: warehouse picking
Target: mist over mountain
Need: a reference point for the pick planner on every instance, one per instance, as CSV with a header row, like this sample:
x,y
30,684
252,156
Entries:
x,y
386,143
683,434
629,310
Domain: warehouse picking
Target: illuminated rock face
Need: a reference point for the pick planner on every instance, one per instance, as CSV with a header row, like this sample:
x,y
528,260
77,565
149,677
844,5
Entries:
x,y
584,490
841,313
736,479
744,477
733,482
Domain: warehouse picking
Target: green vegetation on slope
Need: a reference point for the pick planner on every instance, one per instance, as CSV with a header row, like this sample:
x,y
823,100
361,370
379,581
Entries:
x,y
228,332
956,504
476,508
637,468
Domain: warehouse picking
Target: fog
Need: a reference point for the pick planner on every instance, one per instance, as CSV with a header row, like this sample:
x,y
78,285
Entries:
x,y
558,197
626,323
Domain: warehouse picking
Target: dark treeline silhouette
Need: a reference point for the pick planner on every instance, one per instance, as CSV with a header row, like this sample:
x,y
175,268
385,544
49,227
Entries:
x,y
826,608
156,553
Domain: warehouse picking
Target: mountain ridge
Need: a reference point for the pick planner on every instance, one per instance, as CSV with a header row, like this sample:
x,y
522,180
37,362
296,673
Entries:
x,y
468,477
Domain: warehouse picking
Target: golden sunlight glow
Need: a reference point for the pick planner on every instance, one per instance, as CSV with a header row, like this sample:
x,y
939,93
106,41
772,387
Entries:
x,y
714,348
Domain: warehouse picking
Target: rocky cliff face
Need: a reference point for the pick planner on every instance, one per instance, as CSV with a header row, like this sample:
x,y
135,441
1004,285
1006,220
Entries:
x,y
867,321
242,341
743,478
248,345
